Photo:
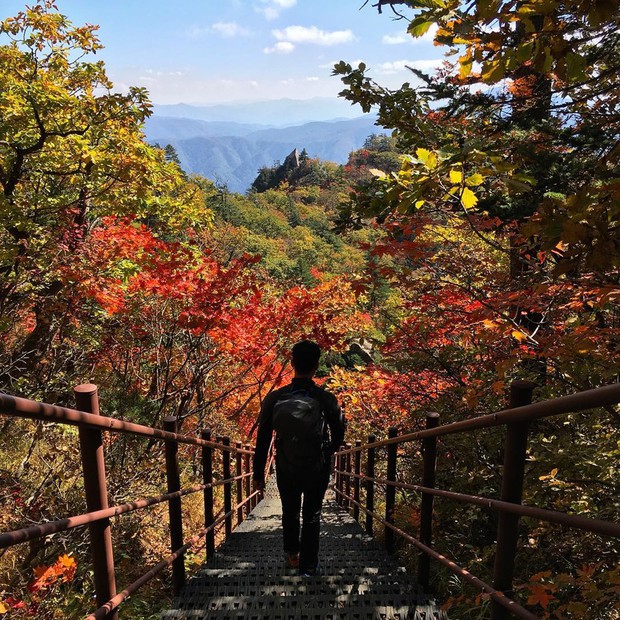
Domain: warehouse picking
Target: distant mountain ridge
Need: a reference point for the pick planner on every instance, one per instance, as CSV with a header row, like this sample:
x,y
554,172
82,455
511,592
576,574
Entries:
x,y
277,112
232,152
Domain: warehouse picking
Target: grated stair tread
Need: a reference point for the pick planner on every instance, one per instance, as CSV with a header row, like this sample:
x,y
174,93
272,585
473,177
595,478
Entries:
x,y
247,578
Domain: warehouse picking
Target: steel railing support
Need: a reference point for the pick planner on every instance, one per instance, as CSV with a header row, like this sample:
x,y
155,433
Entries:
x,y
239,489
207,478
357,468
429,456
347,480
370,486
390,490
95,488
174,506
227,487
512,491
247,480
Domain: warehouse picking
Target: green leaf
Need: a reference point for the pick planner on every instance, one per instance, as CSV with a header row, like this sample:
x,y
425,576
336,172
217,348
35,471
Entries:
x,y
474,180
488,8
548,61
419,26
575,67
524,51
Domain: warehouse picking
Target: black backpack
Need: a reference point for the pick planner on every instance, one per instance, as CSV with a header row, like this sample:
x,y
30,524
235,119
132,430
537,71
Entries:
x,y
299,423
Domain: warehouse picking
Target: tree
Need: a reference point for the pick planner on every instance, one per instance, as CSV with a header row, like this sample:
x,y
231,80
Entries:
x,y
71,151
502,225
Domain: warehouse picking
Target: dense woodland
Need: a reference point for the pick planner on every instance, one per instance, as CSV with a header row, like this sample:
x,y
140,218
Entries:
x,y
472,241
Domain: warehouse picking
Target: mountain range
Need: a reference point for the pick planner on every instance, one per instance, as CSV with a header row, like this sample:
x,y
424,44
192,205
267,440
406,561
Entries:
x,y
275,112
228,145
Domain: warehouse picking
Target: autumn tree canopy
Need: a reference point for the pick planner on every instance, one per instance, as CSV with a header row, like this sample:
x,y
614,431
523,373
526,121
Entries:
x,y
502,230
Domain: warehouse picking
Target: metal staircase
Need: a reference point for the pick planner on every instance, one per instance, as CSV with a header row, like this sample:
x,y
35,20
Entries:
x,y
247,578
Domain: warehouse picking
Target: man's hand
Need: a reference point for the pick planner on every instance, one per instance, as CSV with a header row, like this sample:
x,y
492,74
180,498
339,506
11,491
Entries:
x,y
258,485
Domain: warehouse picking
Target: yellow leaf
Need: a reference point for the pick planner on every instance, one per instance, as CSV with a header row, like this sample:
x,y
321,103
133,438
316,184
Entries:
x,y
468,198
3,608
493,71
418,204
465,65
520,336
456,177
422,155
431,162
474,180
376,172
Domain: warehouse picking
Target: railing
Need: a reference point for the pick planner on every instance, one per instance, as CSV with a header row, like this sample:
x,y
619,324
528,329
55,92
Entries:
x,y
509,506
91,427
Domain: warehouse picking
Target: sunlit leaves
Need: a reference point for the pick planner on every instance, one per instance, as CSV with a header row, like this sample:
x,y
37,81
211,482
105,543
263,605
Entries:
x,y
468,198
456,177
419,26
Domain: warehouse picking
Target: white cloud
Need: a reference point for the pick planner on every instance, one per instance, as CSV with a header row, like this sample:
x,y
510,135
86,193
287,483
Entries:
x,y
153,72
312,78
395,39
312,34
398,66
403,37
271,9
229,30
282,47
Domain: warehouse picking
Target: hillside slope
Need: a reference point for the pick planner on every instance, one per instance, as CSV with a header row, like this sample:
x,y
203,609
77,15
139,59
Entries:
x,y
234,159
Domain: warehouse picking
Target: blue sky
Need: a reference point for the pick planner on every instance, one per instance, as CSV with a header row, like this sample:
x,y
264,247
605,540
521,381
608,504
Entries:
x,y
211,51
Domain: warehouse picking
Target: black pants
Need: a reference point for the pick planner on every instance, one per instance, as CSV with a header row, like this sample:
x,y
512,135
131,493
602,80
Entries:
x,y
292,485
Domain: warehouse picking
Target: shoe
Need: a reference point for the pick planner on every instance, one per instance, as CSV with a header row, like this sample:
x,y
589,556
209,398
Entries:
x,y
291,559
311,572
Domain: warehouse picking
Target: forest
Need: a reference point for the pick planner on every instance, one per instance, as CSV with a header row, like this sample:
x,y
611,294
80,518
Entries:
x,y
474,240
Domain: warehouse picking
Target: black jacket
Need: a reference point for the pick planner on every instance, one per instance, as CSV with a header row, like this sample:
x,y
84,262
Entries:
x,y
331,411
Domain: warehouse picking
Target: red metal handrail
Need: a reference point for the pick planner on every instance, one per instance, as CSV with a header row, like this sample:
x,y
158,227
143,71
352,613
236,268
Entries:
x,y
516,418
581,401
86,417
30,409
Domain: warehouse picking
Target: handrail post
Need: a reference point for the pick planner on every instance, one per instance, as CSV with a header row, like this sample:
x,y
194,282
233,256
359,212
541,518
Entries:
x,y
357,468
370,486
512,491
246,480
347,481
207,478
390,490
429,456
174,506
95,489
238,469
339,476
227,487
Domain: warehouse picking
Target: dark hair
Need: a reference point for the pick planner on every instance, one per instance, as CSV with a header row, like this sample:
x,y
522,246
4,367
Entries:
x,y
306,356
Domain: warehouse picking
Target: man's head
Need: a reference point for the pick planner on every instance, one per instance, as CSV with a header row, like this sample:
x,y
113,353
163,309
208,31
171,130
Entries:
x,y
306,356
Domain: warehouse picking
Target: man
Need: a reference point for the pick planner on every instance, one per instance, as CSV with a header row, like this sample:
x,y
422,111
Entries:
x,y
309,428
